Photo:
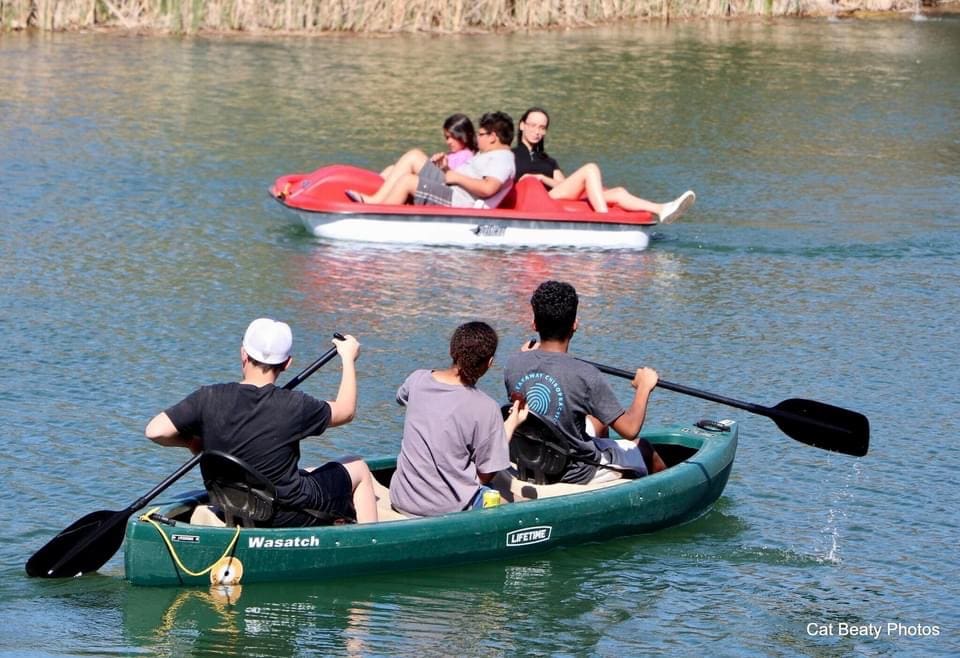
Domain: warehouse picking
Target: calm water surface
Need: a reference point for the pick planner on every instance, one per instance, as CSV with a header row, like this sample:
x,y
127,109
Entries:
x,y
820,261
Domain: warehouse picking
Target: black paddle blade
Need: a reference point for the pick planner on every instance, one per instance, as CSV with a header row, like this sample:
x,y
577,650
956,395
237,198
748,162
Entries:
x,y
84,546
823,426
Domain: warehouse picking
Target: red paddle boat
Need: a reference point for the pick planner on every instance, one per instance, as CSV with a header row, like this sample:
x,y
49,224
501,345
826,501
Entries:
x,y
527,217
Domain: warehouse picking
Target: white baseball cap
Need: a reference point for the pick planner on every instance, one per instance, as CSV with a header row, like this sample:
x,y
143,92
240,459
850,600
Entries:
x,y
268,341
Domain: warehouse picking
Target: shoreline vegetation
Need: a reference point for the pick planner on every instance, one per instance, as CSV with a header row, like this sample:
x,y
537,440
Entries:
x,y
305,17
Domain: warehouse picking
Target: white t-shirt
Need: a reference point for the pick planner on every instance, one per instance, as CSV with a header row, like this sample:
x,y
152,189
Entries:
x,y
499,164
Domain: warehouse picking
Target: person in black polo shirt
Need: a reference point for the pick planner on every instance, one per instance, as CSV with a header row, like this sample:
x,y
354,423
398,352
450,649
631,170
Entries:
x,y
532,160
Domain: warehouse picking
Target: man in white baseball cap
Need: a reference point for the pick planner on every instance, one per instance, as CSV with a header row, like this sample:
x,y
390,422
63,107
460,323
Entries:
x,y
263,425
268,341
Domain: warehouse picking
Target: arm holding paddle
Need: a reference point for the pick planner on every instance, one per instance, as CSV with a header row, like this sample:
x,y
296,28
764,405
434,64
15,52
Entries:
x,y
629,423
517,414
344,407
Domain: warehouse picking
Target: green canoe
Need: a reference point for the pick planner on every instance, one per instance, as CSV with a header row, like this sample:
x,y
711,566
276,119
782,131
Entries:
x,y
174,551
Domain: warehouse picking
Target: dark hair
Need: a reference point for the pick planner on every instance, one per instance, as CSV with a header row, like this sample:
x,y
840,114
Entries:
x,y
500,123
267,367
471,347
554,310
539,147
461,127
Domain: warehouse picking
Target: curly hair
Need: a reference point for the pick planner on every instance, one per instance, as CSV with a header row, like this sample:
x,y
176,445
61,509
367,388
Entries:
x,y
554,309
472,346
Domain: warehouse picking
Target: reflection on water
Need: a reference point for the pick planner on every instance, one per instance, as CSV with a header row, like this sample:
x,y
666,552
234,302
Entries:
x,y
500,283
389,615
491,609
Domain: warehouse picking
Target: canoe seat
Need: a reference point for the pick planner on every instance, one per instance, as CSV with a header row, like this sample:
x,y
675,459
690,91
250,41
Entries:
x,y
243,493
385,511
538,449
530,195
513,489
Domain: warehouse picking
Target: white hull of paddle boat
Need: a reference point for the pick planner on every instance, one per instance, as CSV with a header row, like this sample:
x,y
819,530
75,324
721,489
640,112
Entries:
x,y
469,232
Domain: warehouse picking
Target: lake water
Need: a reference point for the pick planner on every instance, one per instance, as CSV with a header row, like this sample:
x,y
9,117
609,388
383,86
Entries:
x,y
821,261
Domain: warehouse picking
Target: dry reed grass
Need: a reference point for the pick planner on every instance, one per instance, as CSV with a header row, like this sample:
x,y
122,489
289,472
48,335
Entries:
x,y
441,16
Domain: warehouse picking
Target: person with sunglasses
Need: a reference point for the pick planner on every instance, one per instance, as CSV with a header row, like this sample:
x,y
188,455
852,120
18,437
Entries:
x,y
532,160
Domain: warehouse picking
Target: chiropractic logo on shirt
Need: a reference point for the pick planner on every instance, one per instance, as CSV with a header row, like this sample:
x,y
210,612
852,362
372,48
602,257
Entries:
x,y
543,394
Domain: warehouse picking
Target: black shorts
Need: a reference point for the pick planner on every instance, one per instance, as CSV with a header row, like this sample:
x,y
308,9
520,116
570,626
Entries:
x,y
337,499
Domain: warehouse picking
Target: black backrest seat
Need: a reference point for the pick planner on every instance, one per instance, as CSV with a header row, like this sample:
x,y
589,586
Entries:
x,y
245,495
539,450
240,490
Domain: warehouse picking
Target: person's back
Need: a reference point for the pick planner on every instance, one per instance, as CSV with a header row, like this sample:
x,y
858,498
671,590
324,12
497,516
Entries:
x,y
564,391
451,433
263,426
454,436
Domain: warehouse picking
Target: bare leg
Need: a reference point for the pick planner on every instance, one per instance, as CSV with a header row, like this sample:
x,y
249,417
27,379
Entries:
x,y
588,179
658,463
585,179
627,201
396,191
410,162
364,499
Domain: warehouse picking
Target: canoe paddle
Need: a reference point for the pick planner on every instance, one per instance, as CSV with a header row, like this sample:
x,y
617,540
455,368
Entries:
x,y
87,544
808,421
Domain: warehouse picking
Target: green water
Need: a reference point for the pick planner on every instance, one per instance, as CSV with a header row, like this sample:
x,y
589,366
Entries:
x,y
820,261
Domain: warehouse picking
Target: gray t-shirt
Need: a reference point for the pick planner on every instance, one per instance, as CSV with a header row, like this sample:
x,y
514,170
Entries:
x,y
499,164
563,390
450,434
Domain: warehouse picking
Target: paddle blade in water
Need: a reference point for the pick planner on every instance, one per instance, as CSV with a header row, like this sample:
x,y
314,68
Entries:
x,y
823,426
83,547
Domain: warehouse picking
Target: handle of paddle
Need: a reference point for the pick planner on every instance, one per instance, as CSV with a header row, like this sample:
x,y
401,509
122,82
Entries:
x,y
316,365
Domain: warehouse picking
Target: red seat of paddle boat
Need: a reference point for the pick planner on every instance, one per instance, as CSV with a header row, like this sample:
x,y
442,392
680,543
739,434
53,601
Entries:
x,y
326,184
529,195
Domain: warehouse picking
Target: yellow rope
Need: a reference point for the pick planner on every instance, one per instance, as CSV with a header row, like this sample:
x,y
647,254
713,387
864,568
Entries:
x,y
176,558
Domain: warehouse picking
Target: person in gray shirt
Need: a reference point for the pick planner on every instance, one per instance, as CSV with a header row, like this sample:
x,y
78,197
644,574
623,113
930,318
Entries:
x,y
564,391
454,436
